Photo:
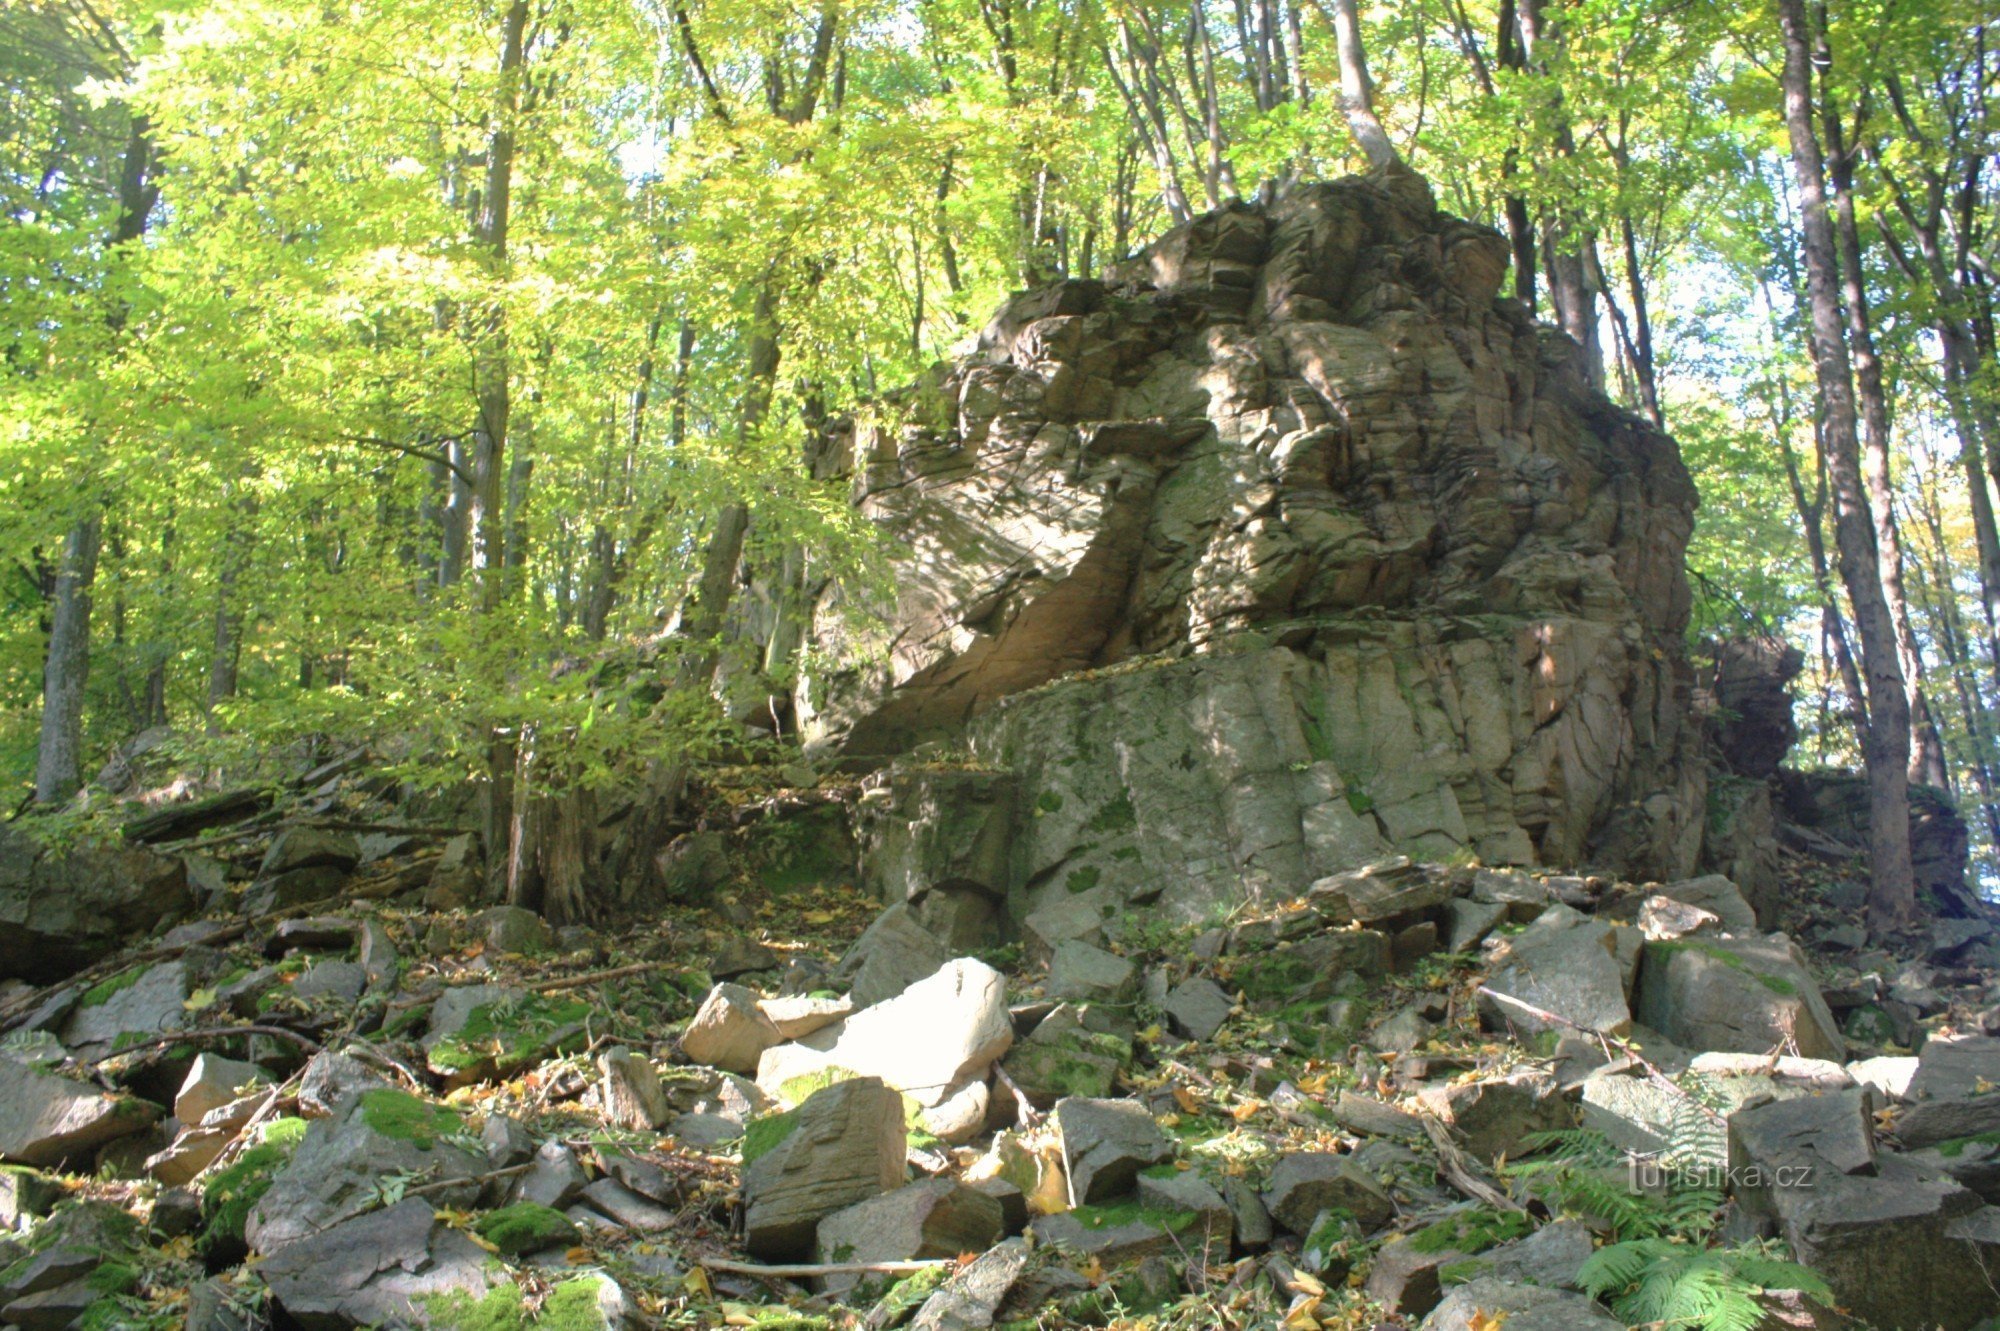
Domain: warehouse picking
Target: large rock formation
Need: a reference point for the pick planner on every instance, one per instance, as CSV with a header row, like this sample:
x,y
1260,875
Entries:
x,y
1290,546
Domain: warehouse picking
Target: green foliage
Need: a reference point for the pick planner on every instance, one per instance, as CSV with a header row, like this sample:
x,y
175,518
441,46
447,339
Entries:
x,y
231,1192
1579,1172
1472,1231
1665,1283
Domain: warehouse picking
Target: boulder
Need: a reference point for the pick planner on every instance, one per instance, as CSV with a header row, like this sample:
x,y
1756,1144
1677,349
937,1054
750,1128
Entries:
x,y
1176,1192
799,1015
332,1176
328,981
1796,1143
46,1119
1081,973
1493,1115
25,1194
398,1266
1105,1145
1484,1303
1404,1277
513,929
1751,995
970,1300
1468,922
1663,917
305,847
130,1006
627,1207
892,954
1954,1092
1247,449
1370,1117
730,1031
629,1091
1563,964
1198,1007
843,1145
932,1218
927,1042
1063,1057
1719,897
1306,1183
555,1179
62,909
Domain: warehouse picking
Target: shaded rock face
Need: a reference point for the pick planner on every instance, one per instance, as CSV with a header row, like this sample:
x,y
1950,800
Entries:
x,y
1835,805
61,910
1381,571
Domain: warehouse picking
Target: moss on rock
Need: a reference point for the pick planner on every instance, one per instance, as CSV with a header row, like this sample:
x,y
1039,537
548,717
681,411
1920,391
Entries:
x,y
525,1227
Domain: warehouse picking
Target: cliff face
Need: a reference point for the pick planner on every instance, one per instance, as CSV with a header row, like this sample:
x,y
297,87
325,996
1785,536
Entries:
x,y
1290,546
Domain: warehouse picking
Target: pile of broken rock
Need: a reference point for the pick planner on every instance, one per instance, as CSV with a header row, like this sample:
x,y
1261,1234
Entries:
x,y
1276,1114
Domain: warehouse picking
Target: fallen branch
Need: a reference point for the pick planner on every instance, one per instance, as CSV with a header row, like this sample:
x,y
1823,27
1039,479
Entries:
x,y
1023,1107
481,1179
615,973
802,1270
209,1033
1607,1042
1453,1165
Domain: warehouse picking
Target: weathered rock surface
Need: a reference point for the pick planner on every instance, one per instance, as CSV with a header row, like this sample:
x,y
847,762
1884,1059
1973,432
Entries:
x,y
1567,965
385,1268
730,1031
844,1145
46,1119
1307,1183
332,1175
1751,995
1437,579
931,1218
1480,1303
1105,1145
61,910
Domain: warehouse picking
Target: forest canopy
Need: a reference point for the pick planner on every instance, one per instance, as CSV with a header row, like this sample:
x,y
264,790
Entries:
x,y
427,375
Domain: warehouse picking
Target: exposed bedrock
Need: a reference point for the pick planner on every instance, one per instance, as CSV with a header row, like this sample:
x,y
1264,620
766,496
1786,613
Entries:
x,y
1290,546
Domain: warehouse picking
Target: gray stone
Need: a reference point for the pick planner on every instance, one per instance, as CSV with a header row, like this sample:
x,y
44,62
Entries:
x,y
333,1174
844,1145
152,1005
1480,1303
310,933
1884,1242
1751,995
798,1015
1084,974
555,1181
331,1077
1402,1032
1663,917
1799,1143
24,1194
932,1218
1566,966
1404,1278
1198,1007
1889,1076
704,1132
294,889
1494,1115
1114,1240
1105,1145
627,1208
341,982
970,1300
507,1141
505,929
1063,1056
1306,1183
383,1268
1468,922
46,1119
481,1032
1523,897
629,1091
892,954
1372,1118
1188,1193
1550,1257
730,1031
1719,897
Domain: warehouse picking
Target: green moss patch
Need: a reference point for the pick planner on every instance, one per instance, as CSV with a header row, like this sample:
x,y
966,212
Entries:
x,y
570,1306
403,1116
231,1193
105,990
525,1227
763,1135
1117,1215
1956,1146
1472,1231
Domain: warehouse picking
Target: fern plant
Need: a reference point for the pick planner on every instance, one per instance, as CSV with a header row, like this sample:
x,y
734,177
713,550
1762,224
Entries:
x,y
1578,1171
1662,1283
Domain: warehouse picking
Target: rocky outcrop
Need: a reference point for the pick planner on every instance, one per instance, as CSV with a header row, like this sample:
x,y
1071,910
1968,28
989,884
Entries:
x,y
62,908
1353,557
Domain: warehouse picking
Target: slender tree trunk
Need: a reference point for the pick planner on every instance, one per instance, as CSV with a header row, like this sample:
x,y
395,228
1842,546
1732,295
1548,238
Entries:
x,y
58,760
1892,893
1926,748
1357,91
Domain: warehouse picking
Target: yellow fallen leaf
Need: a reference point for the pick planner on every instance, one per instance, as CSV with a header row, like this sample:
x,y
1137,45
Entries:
x,y
1246,1110
1189,1102
1482,1320
696,1283
1304,1282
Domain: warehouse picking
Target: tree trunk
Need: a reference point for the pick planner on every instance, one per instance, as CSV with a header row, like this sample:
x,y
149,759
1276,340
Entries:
x,y
1892,893
1357,92
58,760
